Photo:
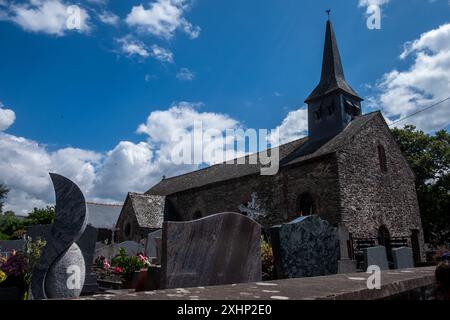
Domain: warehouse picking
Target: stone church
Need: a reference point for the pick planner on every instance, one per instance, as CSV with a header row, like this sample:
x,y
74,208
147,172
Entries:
x,y
349,171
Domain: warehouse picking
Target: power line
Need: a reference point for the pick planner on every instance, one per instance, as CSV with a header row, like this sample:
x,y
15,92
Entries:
x,y
417,112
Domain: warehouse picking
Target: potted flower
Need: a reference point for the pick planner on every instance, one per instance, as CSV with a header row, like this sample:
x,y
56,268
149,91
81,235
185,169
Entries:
x,y
16,270
129,267
12,273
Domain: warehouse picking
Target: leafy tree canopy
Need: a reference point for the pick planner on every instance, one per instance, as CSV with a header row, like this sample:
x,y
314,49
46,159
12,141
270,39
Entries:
x,y
429,158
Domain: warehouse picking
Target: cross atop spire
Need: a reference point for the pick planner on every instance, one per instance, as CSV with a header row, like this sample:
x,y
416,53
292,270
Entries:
x,y
332,78
328,13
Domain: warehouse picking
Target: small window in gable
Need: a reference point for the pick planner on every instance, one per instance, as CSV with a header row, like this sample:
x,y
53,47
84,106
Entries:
x,y
318,114
330,109
382,158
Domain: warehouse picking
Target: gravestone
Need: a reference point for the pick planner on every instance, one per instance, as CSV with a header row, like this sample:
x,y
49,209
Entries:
x,y
60,271
219,249
403,258
132,248
109,251
106,250
86,243
376,256
305,247
153,245
345,264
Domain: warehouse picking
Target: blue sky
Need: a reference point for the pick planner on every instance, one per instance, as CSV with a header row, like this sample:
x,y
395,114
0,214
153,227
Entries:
x,y
248,62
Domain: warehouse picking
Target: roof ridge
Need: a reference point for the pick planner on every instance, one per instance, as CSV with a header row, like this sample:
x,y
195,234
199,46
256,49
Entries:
x,y
226,162
104,204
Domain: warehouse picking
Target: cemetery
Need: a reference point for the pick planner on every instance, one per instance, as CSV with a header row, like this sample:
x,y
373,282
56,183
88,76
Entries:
x,y
215,257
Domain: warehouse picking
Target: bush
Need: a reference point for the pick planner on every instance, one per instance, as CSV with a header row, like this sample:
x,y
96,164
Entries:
x,y
267,260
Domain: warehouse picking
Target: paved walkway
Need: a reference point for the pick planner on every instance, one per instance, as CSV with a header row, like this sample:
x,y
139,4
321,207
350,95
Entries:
x,y
336,287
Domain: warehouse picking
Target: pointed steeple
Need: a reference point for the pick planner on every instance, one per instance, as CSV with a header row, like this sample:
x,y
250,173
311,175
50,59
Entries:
x,y
332,78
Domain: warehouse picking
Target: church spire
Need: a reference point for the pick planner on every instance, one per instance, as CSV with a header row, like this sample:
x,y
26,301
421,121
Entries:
x,y
333,104
332,78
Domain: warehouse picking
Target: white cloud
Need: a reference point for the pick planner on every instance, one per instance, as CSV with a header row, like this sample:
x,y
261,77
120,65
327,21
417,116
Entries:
x,y
425,82
108,17
185,75
24,167
108,176
367,3
161,54
132,47
7,117
294,126
163,18
53,17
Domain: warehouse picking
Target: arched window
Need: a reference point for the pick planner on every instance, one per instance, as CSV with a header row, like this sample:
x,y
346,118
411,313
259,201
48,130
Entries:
x,y
305,205
127,230
382,158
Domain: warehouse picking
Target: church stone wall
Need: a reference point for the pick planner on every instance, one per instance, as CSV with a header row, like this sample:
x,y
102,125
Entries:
x,y
127,220
371,197
276,197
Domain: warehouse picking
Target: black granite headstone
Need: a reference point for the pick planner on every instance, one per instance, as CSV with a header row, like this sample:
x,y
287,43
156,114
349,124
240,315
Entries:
x,y
305,247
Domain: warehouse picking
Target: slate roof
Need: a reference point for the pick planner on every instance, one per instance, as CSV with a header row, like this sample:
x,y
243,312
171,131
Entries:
x,y
103,216
290,153
216,173
332,78
149,209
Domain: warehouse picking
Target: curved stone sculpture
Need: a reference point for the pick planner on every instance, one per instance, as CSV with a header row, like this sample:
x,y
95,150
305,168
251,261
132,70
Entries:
x,y
61,262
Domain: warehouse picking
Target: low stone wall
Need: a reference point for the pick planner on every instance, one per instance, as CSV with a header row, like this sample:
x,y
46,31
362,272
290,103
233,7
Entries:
x,y
394,284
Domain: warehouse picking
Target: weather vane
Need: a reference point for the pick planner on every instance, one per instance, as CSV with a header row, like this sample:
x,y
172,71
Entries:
x,y
328,13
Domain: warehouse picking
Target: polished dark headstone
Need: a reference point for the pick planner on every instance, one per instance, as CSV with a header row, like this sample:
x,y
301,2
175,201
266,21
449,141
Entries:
x,y
219,249
70,223
305,247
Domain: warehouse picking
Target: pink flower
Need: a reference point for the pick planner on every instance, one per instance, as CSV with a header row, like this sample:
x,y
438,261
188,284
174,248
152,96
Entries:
x,y
117,270
106,265
142,257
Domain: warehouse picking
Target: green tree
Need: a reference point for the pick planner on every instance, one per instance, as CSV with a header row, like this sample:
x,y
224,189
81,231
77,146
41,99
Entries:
x,y
3,193
41,216
429,158
11,225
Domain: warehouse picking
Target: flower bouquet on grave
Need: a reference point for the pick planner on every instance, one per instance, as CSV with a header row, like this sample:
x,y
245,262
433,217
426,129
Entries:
x,y
12,273
16,271
129,267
